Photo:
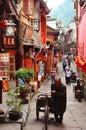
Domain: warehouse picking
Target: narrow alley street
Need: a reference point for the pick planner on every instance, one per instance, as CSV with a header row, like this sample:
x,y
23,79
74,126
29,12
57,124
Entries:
x,y
35,36
74,117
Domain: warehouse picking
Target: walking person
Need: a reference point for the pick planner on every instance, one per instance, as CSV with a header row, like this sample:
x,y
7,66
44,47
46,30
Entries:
x,y
67,75
69,60
56,60
58,99
53,75
64,64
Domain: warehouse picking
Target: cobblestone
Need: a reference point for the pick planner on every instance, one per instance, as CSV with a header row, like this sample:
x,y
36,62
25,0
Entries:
x,y
74,117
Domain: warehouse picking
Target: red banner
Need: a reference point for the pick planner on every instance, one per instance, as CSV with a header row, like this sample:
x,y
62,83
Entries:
x,y
8,42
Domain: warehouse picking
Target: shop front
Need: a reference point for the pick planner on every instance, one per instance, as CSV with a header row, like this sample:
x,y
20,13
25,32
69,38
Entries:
x,y
9,48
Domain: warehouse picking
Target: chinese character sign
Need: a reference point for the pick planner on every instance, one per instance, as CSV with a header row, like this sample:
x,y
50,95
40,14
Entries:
x,y
8,42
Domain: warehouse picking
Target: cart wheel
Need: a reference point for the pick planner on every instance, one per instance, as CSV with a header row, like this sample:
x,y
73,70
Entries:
x,y
37,112
46,116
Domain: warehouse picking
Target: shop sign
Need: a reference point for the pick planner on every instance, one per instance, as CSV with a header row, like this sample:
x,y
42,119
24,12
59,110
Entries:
x,y
8,42
28,33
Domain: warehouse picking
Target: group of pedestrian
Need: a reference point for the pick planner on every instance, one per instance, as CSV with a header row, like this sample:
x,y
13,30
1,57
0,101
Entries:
x,y
66,61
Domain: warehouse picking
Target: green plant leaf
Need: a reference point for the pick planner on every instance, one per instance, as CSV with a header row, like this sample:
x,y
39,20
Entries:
x,y
25,74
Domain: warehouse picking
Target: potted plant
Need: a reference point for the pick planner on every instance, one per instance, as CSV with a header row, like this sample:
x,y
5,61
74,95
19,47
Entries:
x,y
15,104
24,91
24,76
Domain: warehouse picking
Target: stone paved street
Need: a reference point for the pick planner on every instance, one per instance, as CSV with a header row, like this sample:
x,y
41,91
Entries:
x,y
74,117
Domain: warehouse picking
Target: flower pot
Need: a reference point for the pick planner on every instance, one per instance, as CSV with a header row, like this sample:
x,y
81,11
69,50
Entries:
x,y
15,115
23,95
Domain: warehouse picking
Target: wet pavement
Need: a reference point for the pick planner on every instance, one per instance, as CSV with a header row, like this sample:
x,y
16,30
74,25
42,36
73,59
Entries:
x,y
74,117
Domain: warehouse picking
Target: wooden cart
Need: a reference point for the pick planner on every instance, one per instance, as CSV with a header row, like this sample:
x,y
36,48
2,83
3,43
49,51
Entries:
x,y
43,104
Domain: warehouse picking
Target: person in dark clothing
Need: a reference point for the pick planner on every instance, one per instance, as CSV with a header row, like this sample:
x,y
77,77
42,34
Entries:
x,y
64,64
69,60
53,75
78,86
58,99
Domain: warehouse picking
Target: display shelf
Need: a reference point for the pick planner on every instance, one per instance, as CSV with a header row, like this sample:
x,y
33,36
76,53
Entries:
x,y
12,64
4,65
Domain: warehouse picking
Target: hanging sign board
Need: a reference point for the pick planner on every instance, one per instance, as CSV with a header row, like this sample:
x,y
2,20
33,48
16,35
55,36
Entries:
x,y
8,42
